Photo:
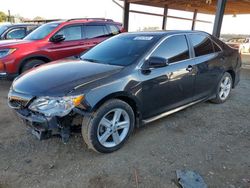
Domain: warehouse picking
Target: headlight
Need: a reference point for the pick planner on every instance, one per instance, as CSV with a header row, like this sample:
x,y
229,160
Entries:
x,y
5,52
55,106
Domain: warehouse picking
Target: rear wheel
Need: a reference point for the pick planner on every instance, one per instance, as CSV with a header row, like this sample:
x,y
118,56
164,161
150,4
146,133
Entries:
x,y
31,64
224,88
107,129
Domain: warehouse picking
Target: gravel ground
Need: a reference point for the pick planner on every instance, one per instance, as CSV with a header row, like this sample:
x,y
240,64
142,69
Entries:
x,y
213,140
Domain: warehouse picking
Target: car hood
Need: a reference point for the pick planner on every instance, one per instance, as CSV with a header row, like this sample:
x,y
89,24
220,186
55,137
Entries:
x,y
8,43
61,77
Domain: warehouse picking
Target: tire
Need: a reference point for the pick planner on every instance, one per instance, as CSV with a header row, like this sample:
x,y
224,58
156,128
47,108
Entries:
x,y
224,86
103,138
31,64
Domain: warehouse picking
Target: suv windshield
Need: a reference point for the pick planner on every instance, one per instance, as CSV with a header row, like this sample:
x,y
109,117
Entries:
x,y
2,29
41,32
122,50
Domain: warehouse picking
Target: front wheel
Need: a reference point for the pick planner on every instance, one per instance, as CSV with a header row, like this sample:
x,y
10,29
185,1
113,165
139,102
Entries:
x,y
31,64
107,129
224,88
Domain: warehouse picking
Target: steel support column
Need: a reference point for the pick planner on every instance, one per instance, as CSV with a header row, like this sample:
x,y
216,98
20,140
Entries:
x,y
164,21
126,15
194,19
221,5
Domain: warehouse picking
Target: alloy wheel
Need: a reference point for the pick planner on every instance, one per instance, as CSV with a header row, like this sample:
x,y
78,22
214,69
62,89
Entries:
x,y
225,88
113,127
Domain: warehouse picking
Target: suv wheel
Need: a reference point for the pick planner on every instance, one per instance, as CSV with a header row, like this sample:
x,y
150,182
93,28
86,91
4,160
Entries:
x,y
224,88
107,129
31,64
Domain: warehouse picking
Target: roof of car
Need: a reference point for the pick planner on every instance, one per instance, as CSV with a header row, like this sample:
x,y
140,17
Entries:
x,y
20,24
85,20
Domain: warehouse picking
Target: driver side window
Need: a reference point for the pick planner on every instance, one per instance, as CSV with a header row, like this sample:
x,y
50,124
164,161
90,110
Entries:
x,y
173,49
71,33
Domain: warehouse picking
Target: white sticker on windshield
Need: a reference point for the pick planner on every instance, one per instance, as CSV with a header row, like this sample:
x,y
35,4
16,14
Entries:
x,y
143,38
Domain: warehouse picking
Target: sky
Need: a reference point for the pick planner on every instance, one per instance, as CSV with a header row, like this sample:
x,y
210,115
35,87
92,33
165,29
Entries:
x,y
53,9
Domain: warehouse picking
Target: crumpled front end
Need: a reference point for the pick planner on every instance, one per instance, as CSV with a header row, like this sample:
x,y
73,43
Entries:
x,y
42,125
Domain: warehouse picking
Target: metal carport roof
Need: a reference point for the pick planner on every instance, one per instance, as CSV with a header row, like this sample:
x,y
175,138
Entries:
x,y
217,7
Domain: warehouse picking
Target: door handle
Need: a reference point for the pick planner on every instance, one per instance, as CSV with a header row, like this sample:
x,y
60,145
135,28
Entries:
x,y
189,68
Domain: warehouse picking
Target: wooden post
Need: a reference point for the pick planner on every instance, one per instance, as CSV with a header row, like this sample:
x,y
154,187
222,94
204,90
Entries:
x,y
126,15
194,19
164,21
221,5
9,19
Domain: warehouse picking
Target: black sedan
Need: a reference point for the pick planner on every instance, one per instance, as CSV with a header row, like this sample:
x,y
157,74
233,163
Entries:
x,y
124,82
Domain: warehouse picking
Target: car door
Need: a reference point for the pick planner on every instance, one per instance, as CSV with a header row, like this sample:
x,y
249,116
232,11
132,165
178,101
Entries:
x,y
72,45
172,86
16,33
209,62
95,33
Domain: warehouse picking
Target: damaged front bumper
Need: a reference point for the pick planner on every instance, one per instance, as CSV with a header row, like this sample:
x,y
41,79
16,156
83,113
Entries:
x,y
43,127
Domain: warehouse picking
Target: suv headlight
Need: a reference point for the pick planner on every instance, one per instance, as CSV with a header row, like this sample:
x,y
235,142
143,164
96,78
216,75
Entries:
x,y
5,52
55,106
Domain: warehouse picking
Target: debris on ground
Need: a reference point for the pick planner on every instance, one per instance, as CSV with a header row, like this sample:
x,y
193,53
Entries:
x,y
190,179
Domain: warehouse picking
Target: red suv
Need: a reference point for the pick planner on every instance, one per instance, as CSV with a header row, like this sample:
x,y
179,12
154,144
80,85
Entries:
x,y
53,41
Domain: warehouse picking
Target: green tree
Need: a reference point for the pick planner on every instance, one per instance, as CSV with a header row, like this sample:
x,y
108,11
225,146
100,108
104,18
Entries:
x,y
3,17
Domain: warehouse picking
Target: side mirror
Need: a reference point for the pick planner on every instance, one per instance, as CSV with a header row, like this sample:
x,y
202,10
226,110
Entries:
x,y
57,38
156,62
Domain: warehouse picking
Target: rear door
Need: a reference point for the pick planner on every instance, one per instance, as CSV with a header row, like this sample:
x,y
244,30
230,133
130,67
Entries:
x,y
209,64
95,33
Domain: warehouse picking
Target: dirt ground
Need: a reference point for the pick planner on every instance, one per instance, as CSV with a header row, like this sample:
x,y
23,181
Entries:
x,y
213,140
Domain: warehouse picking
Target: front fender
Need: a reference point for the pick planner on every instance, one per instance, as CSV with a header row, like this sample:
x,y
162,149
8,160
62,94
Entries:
x,y
122,88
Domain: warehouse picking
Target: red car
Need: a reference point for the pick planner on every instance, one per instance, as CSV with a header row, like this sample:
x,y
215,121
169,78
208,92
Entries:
x,y
53,41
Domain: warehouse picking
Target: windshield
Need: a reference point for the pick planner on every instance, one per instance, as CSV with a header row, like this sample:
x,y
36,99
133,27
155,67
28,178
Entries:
x,y
41,32
2,29
122,50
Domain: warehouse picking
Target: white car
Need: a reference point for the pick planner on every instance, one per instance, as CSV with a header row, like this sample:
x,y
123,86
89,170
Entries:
x,y
245,46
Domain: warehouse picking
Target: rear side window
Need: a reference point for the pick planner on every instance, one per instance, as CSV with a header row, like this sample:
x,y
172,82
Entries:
x,y
113,29
174,49
29,29
202,44
71,33
94,31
